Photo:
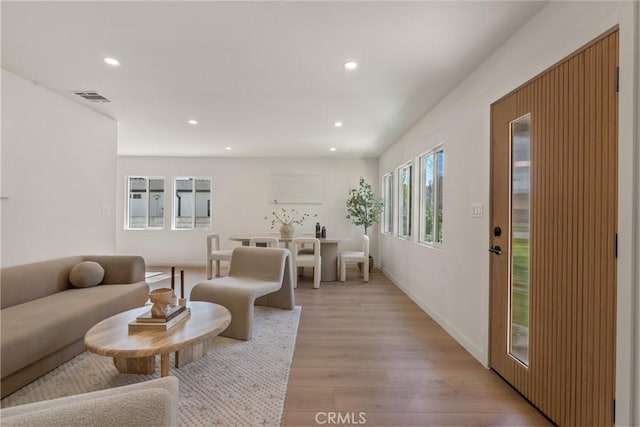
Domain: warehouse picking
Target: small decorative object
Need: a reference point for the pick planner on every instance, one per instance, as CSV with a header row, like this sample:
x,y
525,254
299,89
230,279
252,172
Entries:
x,y
323,233
287,218
318,232
364,208
160,298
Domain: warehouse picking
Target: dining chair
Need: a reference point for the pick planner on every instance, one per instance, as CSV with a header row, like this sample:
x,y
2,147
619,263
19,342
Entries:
x,y
270,242
354,257
214,253
307,250
307,260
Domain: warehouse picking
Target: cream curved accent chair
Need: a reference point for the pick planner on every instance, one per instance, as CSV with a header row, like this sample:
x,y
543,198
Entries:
x,y
214,253
307,259
354,257
257,276
270,242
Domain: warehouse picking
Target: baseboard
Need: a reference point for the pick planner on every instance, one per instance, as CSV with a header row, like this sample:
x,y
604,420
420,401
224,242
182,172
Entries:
x,y
473,349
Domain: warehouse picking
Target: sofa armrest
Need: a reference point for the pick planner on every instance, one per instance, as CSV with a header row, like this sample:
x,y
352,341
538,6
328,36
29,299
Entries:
x,y
152,403
120,269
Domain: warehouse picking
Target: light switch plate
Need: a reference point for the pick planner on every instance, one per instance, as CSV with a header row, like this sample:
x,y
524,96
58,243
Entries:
x,y
476,210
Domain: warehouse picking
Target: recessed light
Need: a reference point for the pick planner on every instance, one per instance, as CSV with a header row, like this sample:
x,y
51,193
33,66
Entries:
x,y
338,124
228,148
193,122
350,65
112,61
332,149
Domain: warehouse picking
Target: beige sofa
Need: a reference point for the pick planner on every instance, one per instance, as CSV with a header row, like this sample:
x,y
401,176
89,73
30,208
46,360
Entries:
x,y
151,403
44,319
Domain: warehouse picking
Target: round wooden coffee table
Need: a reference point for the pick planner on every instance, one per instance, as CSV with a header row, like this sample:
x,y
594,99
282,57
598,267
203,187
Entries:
x,y
134,352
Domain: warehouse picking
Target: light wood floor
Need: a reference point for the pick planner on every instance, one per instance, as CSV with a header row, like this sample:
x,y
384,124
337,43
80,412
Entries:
x,y
367,348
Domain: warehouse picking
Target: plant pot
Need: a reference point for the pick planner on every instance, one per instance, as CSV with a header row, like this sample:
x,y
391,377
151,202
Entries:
x,y
370,264
287,230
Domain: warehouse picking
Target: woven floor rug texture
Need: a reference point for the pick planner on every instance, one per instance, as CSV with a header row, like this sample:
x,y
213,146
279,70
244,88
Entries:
x,y
237,383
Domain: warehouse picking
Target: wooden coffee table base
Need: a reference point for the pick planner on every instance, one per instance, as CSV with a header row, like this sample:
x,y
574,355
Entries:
x,y
147,365
194,352
136,365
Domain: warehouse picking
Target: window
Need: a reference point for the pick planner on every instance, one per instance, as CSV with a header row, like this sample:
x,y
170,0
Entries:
x,y
520,238
192,206
145,204
404,200
432,175
387,208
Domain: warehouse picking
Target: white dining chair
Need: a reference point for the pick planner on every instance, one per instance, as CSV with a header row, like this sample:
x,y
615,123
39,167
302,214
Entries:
x,y
354,257
307,260
304,250
214,253
270,242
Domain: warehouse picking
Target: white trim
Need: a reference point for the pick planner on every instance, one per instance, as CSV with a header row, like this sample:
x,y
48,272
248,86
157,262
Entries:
x,y
127,192
420,196
193,202
391,197
411,165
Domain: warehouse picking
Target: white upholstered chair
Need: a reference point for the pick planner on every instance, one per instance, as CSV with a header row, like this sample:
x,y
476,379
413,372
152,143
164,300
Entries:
x,y
270,242
354,257
214,253
307,259
306,250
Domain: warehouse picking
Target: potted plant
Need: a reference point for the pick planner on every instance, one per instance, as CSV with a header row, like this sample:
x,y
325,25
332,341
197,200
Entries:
x,y
364,208
286,218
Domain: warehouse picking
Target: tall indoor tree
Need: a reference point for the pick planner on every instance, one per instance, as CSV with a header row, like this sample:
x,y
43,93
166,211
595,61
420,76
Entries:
x,y
363,206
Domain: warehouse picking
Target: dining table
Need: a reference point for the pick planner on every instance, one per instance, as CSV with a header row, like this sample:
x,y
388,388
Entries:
x,y
328,252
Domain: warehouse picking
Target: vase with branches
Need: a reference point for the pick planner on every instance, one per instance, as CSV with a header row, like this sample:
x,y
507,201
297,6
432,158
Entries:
x,y
287,218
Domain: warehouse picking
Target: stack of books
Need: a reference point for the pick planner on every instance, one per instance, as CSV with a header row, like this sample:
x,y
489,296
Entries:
x,y
149,322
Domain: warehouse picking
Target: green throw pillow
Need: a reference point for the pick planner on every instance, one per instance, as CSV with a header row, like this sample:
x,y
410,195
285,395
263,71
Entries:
x,y
86,274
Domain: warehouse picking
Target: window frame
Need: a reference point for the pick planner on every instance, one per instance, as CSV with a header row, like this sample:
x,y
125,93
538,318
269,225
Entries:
x,y
400,200
437,192
193,203
127,208
388,204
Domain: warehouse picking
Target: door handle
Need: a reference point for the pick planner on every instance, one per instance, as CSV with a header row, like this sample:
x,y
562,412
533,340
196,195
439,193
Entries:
x,y
495,250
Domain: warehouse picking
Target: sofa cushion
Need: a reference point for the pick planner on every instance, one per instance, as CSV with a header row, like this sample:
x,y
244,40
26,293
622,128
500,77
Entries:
x,y
37,328
86,274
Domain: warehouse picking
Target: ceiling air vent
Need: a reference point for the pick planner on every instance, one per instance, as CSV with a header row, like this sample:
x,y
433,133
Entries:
x,y
91,96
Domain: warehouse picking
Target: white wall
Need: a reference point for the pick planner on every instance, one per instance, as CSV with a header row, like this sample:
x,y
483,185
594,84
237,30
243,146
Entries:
x,y
239,201
58,171
452,284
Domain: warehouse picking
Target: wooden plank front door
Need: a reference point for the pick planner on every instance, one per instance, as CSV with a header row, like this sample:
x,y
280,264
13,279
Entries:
x,y
554,150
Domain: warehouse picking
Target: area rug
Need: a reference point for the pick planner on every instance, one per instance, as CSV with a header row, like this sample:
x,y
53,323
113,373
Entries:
x,y
237,383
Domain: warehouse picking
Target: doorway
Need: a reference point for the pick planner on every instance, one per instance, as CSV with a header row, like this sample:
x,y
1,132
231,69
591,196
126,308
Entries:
x,y
554,150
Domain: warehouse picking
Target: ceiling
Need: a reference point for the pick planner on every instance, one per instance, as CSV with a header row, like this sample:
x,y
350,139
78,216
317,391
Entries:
x,y
263,78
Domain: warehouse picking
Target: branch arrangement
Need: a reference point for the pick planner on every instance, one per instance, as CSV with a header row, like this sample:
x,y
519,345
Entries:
x,y
287,216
